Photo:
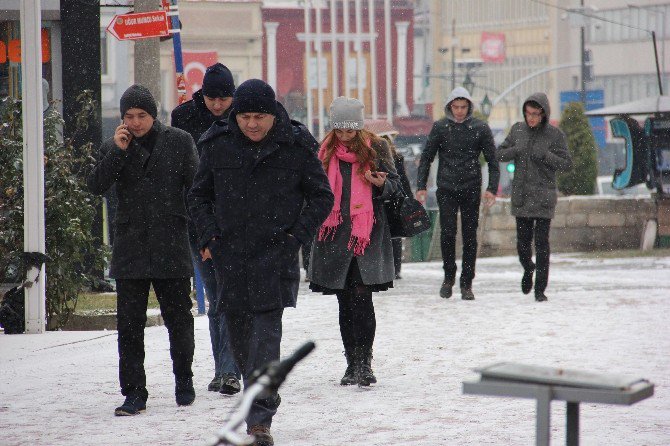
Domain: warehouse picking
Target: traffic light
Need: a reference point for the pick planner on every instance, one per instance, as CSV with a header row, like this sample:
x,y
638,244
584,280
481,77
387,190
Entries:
x,y
510,167
588,66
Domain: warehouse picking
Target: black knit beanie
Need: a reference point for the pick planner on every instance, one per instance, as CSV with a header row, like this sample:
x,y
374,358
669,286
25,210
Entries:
x,y
137,96
254,96
218,82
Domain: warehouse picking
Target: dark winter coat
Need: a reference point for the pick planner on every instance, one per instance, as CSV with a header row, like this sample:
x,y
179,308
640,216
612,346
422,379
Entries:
x,y
259,193
538,153
330,259
458,146
194,117
150,238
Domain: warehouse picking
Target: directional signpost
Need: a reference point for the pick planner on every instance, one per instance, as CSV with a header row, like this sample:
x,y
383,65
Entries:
x,y
140,25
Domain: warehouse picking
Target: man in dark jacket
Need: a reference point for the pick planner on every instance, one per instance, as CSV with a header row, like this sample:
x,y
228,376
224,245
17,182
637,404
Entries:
x,y
259,194
211,104
152,167
459,139
538,150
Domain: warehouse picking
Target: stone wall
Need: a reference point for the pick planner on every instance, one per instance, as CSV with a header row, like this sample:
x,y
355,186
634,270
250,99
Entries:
x,y
584,223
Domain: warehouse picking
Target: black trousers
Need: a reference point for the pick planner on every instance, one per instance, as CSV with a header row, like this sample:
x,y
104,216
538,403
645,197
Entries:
x,y
528,229
255,339
174,298
467,202
397,254
357,319
306,252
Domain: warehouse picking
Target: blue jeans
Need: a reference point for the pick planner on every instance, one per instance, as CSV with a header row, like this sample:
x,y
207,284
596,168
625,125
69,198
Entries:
x,y
224,362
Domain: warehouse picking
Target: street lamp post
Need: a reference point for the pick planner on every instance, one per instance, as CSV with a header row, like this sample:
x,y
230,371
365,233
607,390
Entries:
x,y
653,10
486,106
468,83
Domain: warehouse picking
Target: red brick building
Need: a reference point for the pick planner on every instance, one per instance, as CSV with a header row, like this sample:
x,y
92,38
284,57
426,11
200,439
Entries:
x,y
285,61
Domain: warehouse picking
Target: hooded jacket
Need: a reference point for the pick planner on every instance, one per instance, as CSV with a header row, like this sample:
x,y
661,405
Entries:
x,y
458,146
538,153
195,118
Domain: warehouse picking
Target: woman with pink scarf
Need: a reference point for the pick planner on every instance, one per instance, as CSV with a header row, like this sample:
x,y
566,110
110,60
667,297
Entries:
x,y
352,255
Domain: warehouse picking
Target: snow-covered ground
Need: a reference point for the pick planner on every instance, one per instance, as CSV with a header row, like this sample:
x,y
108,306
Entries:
x,y
607,316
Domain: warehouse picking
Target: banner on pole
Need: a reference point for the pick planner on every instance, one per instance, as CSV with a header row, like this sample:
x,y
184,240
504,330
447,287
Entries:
x,y
195,65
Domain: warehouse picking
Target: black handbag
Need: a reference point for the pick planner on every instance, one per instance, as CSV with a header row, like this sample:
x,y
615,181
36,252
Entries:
x,y
406,216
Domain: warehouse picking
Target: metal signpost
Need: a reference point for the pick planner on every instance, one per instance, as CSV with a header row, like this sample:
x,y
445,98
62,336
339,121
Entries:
x,y
545,384
175,29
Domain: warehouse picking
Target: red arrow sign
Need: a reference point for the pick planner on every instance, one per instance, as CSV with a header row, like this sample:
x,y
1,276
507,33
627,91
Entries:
x,y
140,25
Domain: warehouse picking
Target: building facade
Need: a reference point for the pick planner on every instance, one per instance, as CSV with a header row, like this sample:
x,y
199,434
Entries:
x,y
494,44
348,38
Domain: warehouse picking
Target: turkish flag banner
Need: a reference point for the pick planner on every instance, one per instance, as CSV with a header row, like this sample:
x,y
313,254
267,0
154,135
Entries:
x,y
195,65
493,47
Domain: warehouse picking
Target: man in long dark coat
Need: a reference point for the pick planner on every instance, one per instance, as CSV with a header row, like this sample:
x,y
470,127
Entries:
x,y
260,193
152,167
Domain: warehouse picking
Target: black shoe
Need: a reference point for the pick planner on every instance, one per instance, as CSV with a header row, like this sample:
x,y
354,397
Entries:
x,y
527,280
215,384
183,391
540,296
135,404
397,276
230,385
446,288
262,435
467,294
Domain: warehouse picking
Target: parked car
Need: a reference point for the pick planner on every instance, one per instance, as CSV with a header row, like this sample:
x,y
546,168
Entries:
x,y
604,187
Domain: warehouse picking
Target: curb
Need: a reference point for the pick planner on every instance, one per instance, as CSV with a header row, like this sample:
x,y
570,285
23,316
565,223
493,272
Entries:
x,y
83,322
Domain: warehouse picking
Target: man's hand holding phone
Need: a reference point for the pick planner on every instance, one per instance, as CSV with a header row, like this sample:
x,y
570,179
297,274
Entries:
x,y
122,136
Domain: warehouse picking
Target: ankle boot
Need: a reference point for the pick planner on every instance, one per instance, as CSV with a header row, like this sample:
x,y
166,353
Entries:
x,y
363,371
349,377
367,366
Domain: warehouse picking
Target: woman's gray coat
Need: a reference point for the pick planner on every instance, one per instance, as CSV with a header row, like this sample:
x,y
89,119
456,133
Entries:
x,y
537,154
150,238
330,259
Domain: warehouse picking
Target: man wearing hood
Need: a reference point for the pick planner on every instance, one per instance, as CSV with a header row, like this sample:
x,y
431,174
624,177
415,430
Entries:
x,y
209,105
538,150
259,194
152,166
459,139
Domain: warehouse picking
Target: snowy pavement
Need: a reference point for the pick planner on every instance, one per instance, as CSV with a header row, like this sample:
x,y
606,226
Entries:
x,y
608,316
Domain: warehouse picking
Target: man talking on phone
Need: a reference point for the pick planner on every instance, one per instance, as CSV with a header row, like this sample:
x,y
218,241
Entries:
x,y
153,167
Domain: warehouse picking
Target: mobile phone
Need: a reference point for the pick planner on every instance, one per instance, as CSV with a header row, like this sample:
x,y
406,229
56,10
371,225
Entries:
x,y
128,137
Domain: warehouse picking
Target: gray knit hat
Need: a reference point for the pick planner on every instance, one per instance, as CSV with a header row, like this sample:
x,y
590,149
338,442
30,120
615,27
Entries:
x,y
346,113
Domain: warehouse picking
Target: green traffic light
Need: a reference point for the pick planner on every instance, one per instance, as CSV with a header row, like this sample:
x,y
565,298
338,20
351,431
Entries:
x,y
510,167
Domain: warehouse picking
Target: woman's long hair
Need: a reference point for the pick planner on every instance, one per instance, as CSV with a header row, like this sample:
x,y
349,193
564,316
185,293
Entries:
x,y
365,155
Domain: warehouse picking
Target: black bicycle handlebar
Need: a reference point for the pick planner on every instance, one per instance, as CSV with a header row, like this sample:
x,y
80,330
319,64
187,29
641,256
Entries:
x,y
264,382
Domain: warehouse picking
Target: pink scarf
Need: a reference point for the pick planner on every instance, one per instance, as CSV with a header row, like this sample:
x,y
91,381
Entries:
x,y
360,206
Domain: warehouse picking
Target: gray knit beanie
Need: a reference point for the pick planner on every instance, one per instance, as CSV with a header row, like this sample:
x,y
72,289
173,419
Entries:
x,y
346,113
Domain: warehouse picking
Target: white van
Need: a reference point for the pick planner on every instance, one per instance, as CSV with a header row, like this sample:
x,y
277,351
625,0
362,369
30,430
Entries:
x,y
604,187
